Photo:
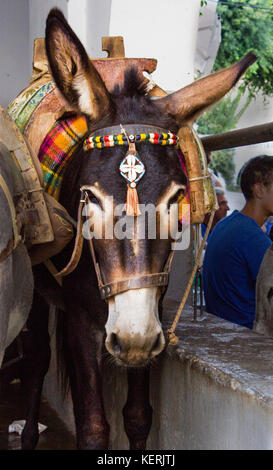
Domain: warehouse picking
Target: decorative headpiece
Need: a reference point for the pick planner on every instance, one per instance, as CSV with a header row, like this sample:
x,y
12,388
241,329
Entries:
x,y
132,169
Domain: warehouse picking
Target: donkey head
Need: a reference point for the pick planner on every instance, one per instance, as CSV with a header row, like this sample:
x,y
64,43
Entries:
x,y
134,332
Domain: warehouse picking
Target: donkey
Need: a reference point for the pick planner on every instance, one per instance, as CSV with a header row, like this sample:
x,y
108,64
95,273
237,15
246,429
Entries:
x,y
114,291
16,279
264,296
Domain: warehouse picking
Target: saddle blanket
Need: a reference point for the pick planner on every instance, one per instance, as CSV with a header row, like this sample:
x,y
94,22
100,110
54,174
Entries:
x,y
57,148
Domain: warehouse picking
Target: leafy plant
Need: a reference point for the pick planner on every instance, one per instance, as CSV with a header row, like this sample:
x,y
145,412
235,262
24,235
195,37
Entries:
x,y
245,28
202,3
224,115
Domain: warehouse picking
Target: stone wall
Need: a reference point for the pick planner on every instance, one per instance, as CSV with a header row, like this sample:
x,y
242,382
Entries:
x,y
213,391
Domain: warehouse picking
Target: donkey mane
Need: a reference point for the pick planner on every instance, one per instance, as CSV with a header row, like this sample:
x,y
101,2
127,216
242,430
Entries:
x,y
131,104
133,84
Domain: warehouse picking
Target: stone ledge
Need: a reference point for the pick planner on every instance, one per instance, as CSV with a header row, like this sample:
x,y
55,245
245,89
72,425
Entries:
x,y
231,355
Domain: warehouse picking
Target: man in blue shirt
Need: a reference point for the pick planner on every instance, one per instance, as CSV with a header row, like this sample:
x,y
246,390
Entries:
x,y
237,246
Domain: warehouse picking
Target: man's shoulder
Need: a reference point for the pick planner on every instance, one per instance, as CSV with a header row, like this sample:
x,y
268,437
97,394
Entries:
x,y
231,222
236,228
240,221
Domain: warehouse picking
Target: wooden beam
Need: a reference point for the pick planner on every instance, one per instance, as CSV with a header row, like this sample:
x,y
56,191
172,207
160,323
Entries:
x,y
239,138
114,45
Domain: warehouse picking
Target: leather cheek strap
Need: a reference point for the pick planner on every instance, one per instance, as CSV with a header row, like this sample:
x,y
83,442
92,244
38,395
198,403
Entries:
x,y
119,286
77,251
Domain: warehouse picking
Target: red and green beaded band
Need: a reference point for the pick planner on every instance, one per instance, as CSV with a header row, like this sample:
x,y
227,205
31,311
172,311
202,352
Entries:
x,y
121,139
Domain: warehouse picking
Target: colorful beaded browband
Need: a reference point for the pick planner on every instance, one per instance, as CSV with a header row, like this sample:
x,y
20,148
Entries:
x,y
121,139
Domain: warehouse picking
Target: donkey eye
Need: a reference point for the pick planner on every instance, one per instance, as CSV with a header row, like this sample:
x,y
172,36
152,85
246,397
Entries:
x,y
178,195
93,199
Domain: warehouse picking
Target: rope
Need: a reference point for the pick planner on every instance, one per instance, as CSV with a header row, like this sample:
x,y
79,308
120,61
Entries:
x,y
199,178
173,339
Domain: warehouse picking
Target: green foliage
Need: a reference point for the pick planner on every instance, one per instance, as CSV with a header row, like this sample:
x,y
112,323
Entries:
x,y
202,3
245,29
223,116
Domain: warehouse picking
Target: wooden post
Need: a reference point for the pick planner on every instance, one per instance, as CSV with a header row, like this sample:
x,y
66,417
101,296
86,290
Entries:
x,y
114,45
239,138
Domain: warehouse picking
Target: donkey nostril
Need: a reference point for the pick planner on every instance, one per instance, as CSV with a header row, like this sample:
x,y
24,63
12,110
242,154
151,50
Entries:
x,y
157,344
115,344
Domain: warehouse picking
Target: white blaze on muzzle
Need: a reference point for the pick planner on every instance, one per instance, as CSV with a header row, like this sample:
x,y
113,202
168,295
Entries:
x,y
134,332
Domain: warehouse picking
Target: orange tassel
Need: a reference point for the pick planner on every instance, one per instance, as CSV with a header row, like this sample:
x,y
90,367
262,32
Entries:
x,y
132,204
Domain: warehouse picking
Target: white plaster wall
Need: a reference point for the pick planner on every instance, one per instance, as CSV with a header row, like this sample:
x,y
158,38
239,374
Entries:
x,y
14,48
160,29
91,20
208,39
88,18
206,415
38,11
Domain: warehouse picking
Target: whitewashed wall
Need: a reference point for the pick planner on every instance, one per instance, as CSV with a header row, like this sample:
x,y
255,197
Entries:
x,y
165,30
161,29
14,48
208,39
91,20
38,11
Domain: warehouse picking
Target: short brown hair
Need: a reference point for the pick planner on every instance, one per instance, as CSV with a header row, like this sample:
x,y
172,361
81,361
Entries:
x,y
257,170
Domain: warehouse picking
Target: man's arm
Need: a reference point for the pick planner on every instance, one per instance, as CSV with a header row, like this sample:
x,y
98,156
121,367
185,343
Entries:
x,y
254,251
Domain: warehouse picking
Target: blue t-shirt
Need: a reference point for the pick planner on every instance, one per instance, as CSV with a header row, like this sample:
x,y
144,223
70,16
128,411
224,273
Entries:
x,y
268,226
232,260
203,231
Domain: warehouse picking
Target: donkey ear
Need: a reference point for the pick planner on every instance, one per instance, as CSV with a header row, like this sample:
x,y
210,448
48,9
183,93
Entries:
x,y
188,103
72,70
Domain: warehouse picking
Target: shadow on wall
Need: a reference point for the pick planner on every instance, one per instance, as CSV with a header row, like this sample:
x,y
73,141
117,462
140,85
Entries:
x,y
15,56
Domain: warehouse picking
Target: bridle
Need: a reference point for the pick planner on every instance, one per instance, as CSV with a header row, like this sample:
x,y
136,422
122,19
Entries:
x,y
108,290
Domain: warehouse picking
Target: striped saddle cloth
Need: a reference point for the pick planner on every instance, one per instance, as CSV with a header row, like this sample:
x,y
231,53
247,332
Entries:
x,y
59,145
